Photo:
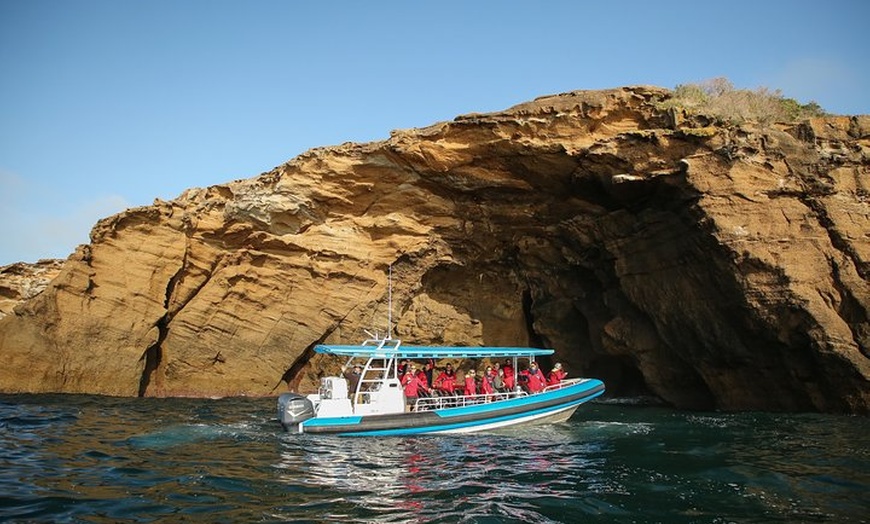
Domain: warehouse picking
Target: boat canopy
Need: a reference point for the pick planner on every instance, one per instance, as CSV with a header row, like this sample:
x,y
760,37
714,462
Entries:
x,y
390,351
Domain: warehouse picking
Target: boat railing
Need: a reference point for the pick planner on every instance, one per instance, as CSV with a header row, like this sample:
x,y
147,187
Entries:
x,y
564,383
456,401
453,401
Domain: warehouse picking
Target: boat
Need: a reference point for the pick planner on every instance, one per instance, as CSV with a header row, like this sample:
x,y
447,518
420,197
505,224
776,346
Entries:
x,y
376,404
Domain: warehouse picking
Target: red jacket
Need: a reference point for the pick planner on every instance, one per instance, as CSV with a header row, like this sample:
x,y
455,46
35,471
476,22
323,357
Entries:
x,y
486,385
446,382
423,378
535,380
508,377
413,385
556,376
470,386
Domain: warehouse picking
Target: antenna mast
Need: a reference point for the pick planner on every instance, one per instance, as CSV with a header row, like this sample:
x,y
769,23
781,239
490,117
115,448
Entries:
x,y
390,304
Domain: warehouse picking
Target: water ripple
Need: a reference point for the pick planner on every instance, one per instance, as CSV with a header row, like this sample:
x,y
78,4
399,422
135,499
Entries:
x,y
79,458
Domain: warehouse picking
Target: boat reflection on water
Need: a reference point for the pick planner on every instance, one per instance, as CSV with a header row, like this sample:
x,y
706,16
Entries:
x,y
348,465
481,474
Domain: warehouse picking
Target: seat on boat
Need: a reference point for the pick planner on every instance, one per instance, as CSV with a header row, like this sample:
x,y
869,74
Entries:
x,y
333,398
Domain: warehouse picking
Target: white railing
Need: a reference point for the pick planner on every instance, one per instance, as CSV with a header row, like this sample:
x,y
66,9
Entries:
x,y
565,383
455,401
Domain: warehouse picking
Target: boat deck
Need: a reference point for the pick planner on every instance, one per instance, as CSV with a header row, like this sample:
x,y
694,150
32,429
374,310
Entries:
x,y
459,400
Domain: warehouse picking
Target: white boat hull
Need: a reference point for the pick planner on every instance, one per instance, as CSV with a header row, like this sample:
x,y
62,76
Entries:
x,y
547,407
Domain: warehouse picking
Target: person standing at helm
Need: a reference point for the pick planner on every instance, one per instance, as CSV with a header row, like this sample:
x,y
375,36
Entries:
x,y
352,377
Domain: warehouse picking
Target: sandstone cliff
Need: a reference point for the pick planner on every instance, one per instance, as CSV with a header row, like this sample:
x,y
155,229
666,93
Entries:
x,y
715,266
22,281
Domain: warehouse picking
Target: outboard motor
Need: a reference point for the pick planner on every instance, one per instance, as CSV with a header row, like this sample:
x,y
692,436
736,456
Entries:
x,y
293,409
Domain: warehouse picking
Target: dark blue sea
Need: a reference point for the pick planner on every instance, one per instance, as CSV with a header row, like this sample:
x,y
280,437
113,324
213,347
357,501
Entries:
x,y
70,458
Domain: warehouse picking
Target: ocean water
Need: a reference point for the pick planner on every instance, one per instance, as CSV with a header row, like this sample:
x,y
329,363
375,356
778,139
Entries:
x,y
71,458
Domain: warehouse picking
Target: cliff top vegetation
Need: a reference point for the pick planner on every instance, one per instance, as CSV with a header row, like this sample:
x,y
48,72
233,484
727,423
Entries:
x,y
719,99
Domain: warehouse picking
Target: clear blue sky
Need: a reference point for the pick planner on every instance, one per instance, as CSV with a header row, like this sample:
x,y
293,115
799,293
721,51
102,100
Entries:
x,y
109,104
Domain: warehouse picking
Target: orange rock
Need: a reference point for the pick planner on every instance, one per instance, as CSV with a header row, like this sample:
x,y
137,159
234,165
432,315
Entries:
x,y
715,266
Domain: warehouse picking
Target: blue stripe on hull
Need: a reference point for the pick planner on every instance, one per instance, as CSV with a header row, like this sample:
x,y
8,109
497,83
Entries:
x,y
461,425
504,404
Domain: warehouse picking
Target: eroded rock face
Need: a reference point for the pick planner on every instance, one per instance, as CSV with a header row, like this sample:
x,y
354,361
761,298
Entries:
x,y
714,266
22,281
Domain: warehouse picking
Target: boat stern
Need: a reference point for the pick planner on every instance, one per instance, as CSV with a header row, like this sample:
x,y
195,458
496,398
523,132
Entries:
x,y
294,409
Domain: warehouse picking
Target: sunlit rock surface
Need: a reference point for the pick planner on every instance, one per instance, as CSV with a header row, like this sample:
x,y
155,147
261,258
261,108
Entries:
x,y
22,281
713,266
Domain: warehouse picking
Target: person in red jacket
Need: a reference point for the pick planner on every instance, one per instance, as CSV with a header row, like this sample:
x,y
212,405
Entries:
x,y
421,374
556,375
413,386
445,383
470,385
533,378
486,386
403,367
508,375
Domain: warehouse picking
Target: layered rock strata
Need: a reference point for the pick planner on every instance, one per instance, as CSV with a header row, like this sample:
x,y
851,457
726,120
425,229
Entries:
x,y
712,265
22,281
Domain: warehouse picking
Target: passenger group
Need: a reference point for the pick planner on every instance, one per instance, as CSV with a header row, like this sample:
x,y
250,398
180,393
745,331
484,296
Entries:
x,y
496,379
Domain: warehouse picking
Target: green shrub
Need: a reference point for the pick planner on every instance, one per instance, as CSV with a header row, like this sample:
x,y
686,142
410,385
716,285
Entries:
x,y
719,99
